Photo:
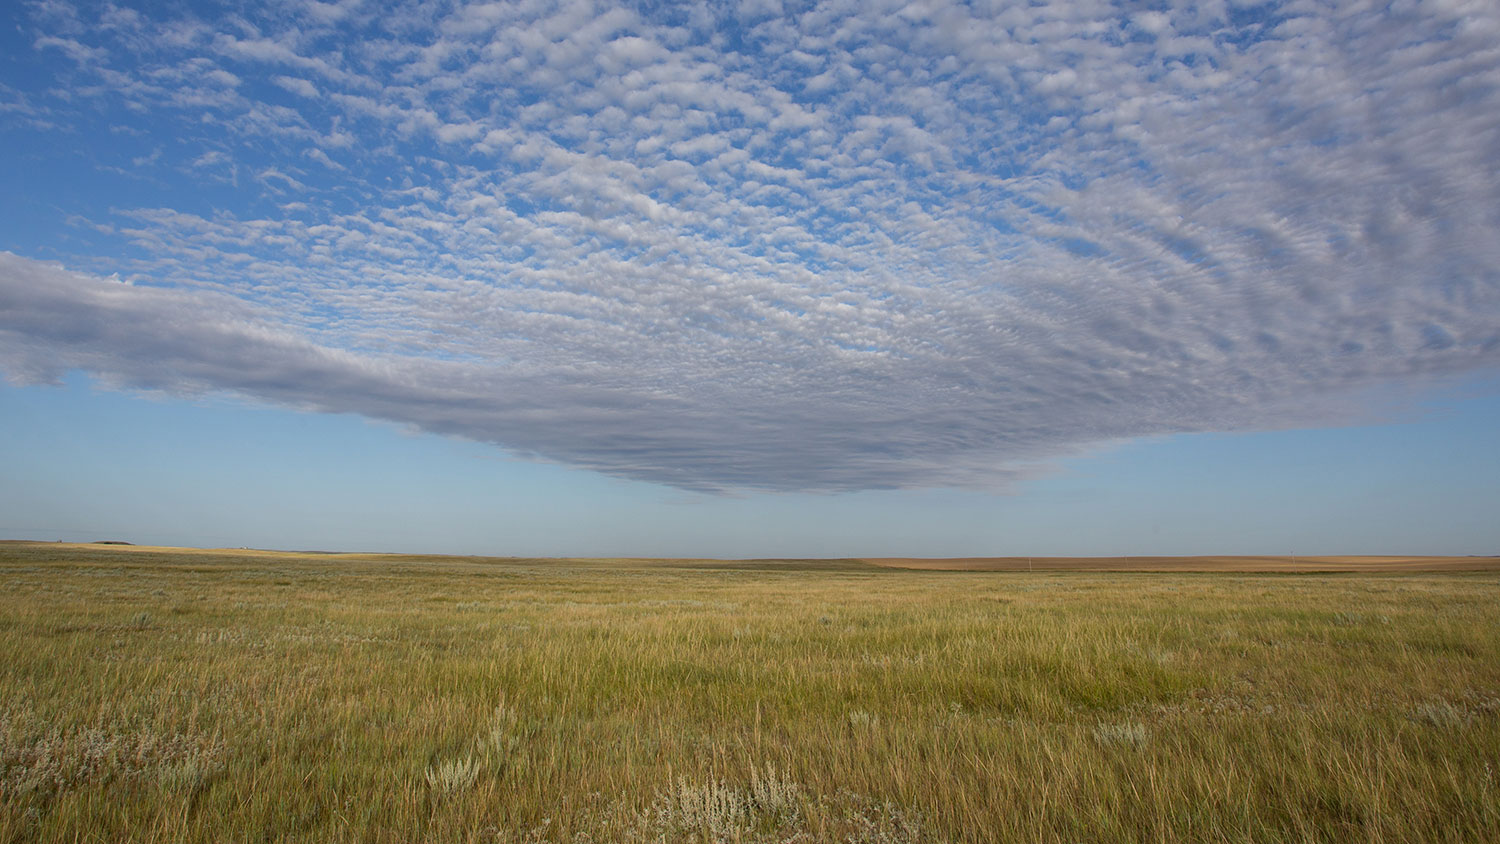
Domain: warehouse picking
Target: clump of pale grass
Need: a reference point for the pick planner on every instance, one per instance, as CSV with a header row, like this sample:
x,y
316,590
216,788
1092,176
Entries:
x,y
452,775
711,808
503,747
188,775
719,811
771,809
866,821
41,761
1440,714
773,795
1130,735
498,750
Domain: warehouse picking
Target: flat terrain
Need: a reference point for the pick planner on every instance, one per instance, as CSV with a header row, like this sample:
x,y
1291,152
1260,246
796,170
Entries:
x,y
1284,564
1223,564
152,694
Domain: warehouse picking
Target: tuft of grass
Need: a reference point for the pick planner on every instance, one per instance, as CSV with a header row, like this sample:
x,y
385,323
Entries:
x,y
1440,714
712,810
451,776
1121,735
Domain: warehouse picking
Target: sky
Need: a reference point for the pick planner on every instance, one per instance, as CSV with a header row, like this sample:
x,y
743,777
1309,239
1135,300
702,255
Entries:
x,y
753,279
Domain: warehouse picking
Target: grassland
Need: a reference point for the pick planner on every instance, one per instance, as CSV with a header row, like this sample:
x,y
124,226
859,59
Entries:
x,y
155,695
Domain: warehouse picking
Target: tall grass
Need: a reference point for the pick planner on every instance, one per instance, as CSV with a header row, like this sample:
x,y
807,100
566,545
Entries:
x,y
224,698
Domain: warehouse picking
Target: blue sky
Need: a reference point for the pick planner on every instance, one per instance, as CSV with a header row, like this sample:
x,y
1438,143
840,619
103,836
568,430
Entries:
x,y
752,279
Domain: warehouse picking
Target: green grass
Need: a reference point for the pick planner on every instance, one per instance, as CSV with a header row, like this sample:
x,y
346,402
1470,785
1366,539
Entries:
x,y
223,698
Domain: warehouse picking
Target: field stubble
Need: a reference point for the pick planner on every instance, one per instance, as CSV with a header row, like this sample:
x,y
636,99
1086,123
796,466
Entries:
x,y
194,696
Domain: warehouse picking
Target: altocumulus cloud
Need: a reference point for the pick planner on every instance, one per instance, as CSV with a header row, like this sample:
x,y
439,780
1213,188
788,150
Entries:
x,y
828,246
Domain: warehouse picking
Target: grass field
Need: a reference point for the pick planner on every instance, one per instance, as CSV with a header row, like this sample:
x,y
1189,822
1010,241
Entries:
x,y
161,695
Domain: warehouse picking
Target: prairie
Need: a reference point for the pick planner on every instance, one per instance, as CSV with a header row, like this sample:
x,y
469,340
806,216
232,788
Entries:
x,y
232,696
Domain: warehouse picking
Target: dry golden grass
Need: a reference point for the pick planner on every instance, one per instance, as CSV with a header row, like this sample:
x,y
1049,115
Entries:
x,y
224,696
1242,565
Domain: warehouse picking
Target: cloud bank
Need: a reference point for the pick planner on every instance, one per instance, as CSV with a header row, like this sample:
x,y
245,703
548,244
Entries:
x,y
822,247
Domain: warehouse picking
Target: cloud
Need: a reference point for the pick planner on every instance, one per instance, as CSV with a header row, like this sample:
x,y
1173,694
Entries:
x,y
839,250
72,49
295,85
